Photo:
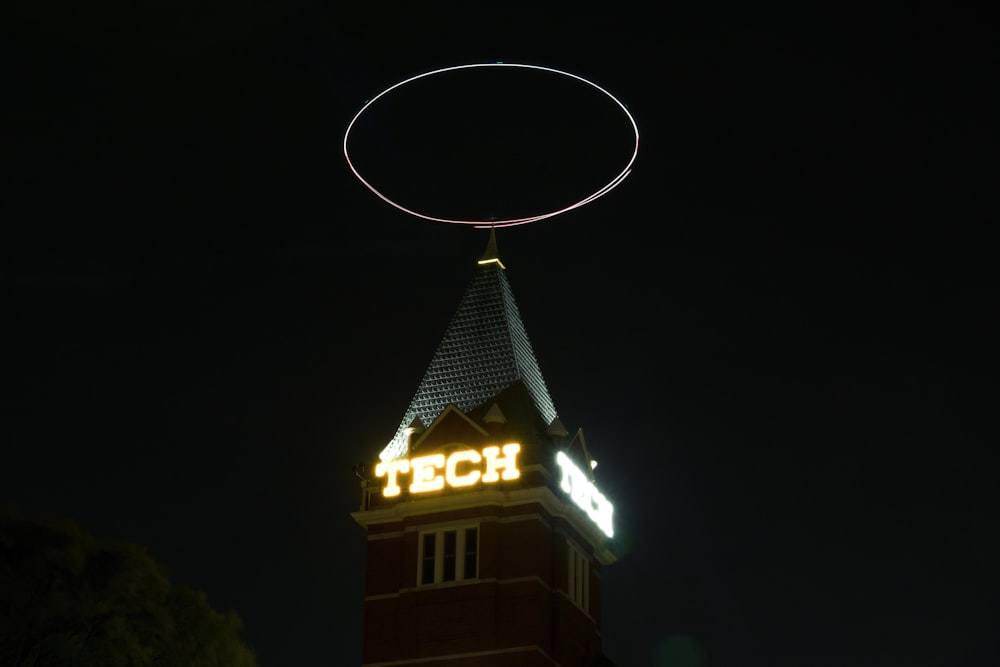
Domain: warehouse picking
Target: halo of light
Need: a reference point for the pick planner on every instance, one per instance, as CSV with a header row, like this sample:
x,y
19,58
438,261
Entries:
x,y
605,189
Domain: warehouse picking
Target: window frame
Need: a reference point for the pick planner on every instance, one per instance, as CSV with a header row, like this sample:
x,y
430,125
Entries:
x,y
578,576
454,562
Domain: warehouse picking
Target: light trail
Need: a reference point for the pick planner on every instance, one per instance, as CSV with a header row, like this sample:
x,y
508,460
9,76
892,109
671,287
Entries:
x,y
508,222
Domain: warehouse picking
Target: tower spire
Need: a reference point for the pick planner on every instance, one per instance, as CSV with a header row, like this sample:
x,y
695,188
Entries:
x,y
485,349
491,254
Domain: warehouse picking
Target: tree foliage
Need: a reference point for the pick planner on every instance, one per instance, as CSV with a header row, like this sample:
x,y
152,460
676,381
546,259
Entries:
x,y
69,599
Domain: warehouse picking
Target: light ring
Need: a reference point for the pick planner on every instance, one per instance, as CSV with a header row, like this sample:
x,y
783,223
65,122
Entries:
x,y
610,185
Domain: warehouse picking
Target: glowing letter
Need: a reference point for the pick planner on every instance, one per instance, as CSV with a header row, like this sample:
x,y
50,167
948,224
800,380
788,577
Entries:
x,y
425,477
601,511
508,462
390,469
468,479
585,494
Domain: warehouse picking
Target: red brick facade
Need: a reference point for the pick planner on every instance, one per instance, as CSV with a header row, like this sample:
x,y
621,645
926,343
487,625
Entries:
x,y
519,608
515,609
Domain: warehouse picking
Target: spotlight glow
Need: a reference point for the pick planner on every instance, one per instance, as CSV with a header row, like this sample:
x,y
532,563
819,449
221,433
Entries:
x,y
610,185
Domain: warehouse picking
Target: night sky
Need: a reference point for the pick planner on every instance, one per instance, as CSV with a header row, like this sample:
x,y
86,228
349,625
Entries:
x,y
776,333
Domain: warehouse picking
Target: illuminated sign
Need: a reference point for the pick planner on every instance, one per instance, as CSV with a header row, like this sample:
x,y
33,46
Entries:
x,y
460,469
585,494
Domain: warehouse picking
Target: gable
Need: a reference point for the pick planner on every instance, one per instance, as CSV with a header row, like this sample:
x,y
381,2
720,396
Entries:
x,y
451,426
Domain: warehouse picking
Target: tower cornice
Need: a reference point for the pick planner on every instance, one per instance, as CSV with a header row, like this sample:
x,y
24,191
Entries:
x,y
432,508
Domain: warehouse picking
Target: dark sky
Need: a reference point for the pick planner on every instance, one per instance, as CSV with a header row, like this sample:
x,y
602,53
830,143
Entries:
x,y
775,333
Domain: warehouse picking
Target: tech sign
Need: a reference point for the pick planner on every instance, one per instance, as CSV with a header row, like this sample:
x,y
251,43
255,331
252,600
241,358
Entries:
x,y
466,467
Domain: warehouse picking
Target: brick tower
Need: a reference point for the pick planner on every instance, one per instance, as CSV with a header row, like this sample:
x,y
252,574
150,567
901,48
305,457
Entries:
x,y
486,531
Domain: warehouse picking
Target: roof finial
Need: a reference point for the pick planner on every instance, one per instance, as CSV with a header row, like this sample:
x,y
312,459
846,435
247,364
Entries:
x,y
491,255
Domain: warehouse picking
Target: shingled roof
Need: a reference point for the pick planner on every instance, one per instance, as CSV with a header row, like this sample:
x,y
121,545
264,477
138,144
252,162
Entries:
x,y
484,350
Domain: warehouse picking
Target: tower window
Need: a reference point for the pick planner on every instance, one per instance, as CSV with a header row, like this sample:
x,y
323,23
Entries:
x,y
578,583
448,555
448,568
471,553
428,545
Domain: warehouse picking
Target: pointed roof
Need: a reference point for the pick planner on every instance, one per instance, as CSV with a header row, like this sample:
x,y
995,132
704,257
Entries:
x,y
484,350
577,450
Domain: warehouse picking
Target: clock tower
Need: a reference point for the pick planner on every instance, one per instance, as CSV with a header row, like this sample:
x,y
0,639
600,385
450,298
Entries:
x,y
486,530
